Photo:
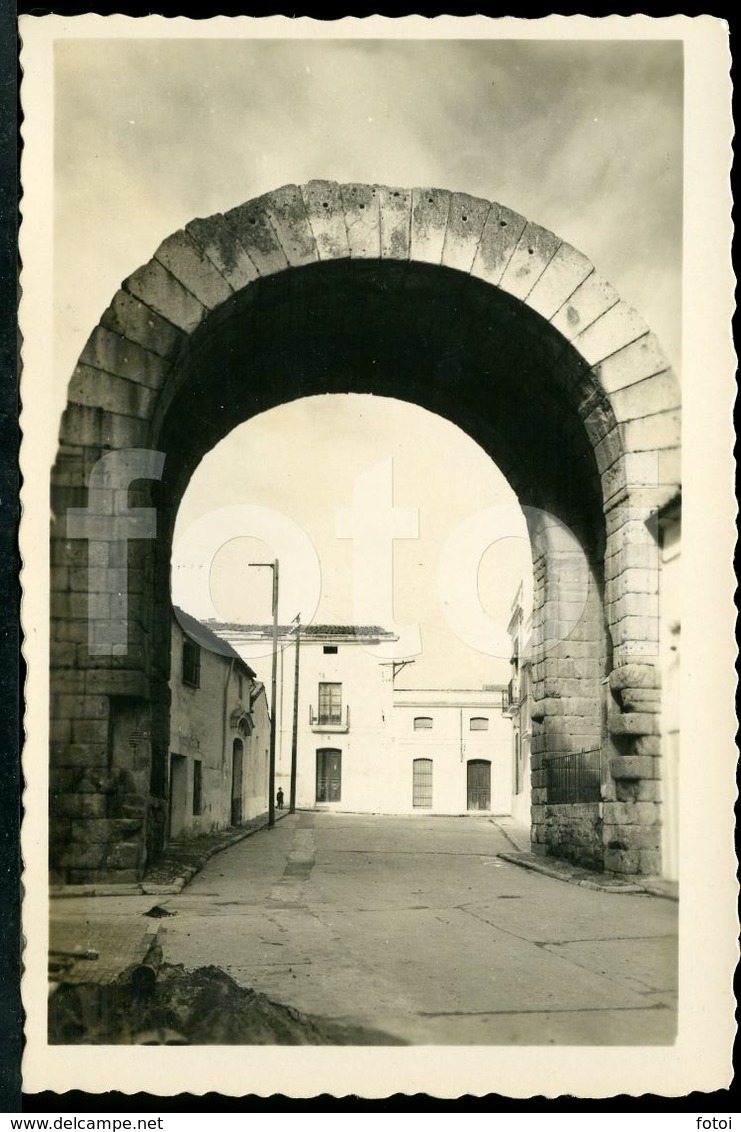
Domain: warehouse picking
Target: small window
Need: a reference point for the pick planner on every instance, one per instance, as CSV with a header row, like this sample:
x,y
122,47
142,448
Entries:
x,y
479,723
423,723
330,649
191,663
197,786
240,685
330,704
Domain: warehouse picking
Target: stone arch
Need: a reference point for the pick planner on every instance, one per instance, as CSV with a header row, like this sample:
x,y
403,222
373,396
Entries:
x,y
457,303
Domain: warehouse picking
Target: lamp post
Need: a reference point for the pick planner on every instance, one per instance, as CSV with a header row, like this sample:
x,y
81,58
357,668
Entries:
x,y
273,705
294,739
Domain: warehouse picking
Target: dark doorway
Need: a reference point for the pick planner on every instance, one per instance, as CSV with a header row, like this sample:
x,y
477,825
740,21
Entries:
x,y
178,793
479,784
237,771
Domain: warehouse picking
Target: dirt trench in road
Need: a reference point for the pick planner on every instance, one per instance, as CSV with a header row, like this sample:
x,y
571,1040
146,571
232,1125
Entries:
x,y
180,1007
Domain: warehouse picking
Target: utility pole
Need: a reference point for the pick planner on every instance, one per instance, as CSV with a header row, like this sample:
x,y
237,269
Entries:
x,y
294,740
273,701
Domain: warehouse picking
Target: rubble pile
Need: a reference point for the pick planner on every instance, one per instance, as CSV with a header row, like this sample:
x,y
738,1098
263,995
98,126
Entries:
x,y
174,1006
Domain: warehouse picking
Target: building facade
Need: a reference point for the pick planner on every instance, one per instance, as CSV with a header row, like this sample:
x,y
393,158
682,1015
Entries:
x,y
219,734
452,751
363,746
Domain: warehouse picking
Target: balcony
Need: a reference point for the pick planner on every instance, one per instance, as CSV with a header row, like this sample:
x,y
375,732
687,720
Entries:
x,y
336,721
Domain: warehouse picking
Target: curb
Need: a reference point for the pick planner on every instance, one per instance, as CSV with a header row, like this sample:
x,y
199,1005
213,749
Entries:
x,y
150,888
610,884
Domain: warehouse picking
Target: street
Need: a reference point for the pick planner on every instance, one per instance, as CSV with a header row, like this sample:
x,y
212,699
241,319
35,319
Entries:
x,y
413,929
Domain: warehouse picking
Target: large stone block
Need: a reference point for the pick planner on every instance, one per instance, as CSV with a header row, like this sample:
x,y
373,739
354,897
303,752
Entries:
x,y
634,723
326,214
130,318
153,285
363,220
535,249
115,354
430,209
252,225
186,261
652,395
113,394
217,239
617,327
589,301
565,272
287,212
660,430
498,241
633,766
80,805
466,218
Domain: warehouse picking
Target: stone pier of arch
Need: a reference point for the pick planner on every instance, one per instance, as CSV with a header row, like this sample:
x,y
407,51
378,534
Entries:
x,y
457,304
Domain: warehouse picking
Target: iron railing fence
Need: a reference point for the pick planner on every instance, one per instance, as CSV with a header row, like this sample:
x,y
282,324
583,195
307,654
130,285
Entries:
x,y
574,778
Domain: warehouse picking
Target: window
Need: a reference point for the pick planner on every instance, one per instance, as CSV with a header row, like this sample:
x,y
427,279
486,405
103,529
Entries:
x,y
328,775
197,786
422,784
479,723
330,649
423,723
240,685
330,703
191,663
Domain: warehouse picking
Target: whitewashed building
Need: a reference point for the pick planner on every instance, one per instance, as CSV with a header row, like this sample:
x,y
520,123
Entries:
x,y
219,734
452,751
363,746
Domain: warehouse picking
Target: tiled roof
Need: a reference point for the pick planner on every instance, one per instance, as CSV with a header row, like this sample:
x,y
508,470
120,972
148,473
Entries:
x,y
306,630
204,636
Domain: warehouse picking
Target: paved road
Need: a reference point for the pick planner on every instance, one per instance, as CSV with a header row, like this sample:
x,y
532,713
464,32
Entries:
x,y
415,928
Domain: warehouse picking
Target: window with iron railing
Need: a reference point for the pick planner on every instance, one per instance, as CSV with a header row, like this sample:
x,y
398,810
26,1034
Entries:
x,y
329,710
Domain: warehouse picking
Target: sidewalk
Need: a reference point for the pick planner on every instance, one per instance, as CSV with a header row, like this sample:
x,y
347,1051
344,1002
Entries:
x,y
178,865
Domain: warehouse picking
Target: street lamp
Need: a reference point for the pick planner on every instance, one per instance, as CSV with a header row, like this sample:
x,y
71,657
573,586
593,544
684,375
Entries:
x,y
273,706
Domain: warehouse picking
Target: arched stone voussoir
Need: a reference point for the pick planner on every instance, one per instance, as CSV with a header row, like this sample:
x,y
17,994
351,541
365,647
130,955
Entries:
x,y
592,298
361,206
564,273
465,224
112,353
253,228
287,212
535,249
430,209
159,290
189,264
326,215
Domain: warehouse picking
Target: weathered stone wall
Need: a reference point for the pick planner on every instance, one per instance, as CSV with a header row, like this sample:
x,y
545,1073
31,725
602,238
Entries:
x,y
605,373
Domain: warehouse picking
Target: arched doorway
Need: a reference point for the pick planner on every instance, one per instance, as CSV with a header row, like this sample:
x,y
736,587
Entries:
x,y
456,304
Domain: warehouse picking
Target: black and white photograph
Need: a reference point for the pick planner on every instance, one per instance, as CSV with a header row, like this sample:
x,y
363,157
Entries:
x,y
375,698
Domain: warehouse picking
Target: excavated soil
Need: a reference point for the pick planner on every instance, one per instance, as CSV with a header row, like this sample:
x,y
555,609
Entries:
x,y
179,1007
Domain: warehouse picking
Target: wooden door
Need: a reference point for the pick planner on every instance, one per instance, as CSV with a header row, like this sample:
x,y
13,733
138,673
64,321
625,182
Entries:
x,y
479,784
328,775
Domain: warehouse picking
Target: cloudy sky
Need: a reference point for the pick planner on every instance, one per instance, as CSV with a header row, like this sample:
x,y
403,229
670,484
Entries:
x,y
583,137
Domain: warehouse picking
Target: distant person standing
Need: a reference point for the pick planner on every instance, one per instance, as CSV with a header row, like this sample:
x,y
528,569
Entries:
x,y
279,798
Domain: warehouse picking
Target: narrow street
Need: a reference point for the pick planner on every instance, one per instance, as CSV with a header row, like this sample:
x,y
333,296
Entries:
x,y
414,929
